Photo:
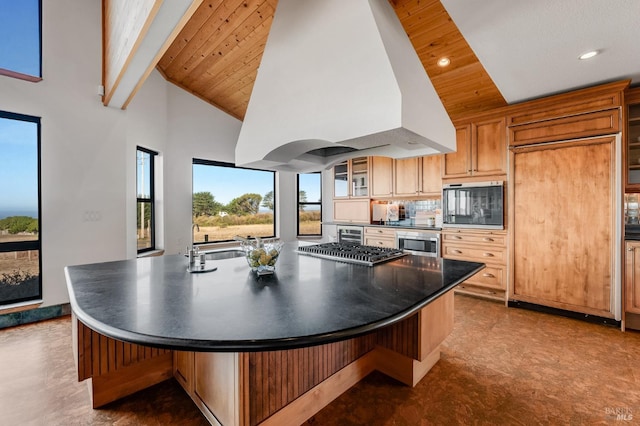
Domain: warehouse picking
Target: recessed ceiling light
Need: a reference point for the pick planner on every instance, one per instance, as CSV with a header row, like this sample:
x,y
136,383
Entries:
x,y
443,62
588,55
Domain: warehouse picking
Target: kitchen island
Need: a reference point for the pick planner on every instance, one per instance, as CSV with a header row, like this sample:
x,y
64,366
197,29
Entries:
x,y
259,350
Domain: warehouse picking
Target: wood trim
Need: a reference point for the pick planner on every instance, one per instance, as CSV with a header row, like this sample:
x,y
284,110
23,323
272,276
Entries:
x,y
26,307
300,410
106,388
406,370
165,46
19,75
597,98
572,127
113,23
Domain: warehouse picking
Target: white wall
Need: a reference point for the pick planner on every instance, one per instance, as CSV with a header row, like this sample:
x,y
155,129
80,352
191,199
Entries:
x,y
88,150
195,130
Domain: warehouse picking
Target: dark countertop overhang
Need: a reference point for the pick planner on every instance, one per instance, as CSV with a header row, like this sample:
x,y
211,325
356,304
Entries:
x,y
308,301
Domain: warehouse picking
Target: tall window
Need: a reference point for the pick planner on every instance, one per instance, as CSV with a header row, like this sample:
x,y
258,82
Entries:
x,y
145,207
19,208
229,201
310,204
20,39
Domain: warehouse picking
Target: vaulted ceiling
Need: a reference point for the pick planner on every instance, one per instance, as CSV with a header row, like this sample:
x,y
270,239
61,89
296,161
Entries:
x,y
217,54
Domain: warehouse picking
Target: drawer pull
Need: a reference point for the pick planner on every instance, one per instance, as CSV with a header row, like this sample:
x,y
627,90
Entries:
x,y
380,231
488,254
488,275
457,237
490,240
457,251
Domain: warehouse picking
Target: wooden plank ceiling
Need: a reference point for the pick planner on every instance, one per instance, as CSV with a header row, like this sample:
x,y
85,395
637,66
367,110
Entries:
x,y
216,56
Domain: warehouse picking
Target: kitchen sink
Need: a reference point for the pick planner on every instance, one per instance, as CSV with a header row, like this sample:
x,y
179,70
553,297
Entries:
x,y
224,254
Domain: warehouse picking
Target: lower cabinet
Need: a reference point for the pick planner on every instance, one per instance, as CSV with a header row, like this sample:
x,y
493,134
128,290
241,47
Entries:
x,y
212,380
380,237
632,285
489,247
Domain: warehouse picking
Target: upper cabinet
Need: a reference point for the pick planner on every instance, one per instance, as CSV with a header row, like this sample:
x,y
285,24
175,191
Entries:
x,y
632,139
481,150
351,178
407,177
381,177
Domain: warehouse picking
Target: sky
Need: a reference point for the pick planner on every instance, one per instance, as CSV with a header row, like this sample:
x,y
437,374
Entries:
x,y
20,36
227,183
19,167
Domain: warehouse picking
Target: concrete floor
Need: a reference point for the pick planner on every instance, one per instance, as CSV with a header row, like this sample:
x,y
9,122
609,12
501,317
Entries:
x,y
499,367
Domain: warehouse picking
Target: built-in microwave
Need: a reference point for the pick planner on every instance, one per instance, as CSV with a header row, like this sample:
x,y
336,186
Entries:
x,y
473,205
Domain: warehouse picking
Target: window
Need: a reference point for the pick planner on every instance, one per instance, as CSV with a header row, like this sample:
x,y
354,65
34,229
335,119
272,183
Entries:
x,y
310,204
20,45
229,201
145,210
20,263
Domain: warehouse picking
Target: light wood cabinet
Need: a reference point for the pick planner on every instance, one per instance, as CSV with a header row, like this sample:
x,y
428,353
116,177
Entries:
x,y
562,213
631,301
431,178
632,140
489,247
183,369
381,176
407,177
380,237
632,277
481,150
351,178
217,387
356,211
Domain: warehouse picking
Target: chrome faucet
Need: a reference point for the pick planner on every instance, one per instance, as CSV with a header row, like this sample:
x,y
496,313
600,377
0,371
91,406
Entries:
x,y
195,226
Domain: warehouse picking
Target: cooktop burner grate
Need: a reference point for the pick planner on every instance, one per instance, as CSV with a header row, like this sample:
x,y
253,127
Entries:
x,y
352,253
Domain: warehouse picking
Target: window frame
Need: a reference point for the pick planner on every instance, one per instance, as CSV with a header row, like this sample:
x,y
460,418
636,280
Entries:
x,y
33,244
203,162
150,200
27,77
310,203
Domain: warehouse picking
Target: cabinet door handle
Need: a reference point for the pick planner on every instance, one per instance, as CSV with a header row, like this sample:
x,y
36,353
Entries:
x,y
457,251
488,255
631,249
488,275
487,239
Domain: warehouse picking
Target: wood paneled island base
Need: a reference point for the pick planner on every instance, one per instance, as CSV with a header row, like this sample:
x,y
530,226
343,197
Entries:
x,y
283,387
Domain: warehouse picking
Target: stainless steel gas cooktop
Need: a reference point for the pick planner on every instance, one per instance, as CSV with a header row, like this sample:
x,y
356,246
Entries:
x,y
352,253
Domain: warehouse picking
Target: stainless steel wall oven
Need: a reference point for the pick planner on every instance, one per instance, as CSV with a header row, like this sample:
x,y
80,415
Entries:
x,y
473,205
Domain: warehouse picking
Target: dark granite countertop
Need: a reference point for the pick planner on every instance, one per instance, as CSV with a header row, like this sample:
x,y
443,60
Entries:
x,y
308,301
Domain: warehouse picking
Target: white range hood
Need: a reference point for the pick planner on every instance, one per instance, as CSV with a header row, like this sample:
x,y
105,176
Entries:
x,y
340,79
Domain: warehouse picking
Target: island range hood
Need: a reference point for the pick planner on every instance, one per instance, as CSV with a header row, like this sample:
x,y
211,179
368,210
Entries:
x,y
339,79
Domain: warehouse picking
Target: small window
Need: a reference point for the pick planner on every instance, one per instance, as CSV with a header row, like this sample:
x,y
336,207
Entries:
x,y
230,201
145,206
20,263
20,39
310,204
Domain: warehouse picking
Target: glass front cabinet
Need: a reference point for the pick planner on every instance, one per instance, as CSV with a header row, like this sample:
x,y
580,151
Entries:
x,y
351,178
632,136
